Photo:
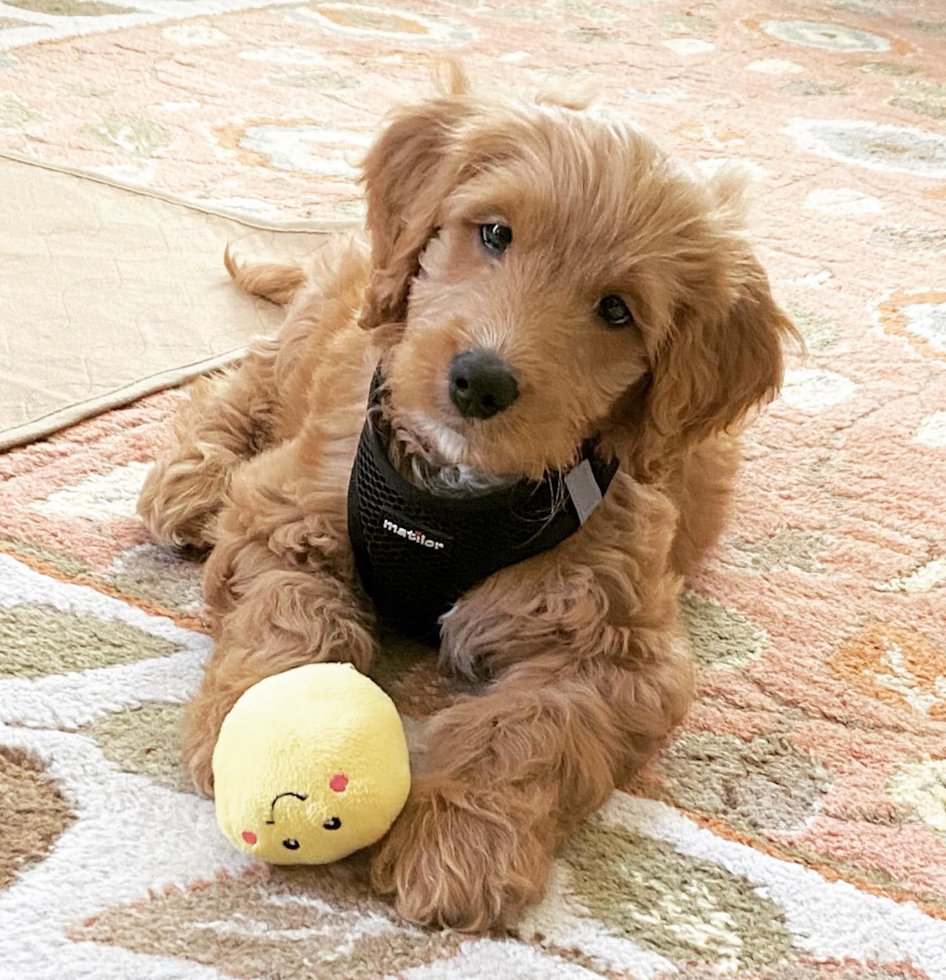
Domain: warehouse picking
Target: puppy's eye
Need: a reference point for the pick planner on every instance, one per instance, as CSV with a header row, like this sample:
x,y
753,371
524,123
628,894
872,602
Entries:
x,y
496,238
332,824
613,310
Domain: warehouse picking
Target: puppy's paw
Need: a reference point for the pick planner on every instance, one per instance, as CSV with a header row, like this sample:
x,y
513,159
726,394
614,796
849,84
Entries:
x,y
180,498
456,858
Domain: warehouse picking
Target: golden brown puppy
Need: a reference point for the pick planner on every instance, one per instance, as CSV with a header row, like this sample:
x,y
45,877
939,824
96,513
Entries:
x,y
619,299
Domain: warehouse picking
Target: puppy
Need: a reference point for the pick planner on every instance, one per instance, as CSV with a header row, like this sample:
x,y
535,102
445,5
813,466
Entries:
x,y
593,292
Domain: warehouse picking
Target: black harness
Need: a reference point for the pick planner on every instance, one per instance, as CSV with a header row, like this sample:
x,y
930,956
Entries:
x,y
417,552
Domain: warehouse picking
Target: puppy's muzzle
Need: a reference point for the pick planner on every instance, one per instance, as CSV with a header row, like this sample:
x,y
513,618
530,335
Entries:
x,y
482,384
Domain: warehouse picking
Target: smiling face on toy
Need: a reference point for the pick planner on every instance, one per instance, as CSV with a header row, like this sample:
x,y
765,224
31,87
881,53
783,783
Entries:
x,y
310,766
295,832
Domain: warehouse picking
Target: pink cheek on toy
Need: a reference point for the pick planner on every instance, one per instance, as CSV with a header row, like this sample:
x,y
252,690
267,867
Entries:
x,y
338,782
249,836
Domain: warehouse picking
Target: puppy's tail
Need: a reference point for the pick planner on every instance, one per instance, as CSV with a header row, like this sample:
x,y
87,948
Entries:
x,y
277,283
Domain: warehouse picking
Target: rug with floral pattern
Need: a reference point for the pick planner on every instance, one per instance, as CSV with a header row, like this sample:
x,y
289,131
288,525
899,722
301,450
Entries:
x,y
795,827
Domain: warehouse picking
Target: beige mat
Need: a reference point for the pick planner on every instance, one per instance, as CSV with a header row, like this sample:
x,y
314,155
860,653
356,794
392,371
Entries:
x,y
107,294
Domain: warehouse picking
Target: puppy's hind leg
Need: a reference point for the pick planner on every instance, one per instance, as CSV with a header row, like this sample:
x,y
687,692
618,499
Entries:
x,y
227,419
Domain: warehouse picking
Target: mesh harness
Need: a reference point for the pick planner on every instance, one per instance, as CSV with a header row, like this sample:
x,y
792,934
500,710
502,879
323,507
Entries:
x,y
417,552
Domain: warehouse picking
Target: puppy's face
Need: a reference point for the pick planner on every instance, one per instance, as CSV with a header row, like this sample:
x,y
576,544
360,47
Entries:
x,y
544,263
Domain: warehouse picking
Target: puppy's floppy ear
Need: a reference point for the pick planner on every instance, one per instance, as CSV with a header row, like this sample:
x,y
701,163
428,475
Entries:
x,y
718,365
407,174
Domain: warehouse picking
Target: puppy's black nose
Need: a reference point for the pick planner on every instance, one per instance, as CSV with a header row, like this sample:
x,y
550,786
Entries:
x,y
481,384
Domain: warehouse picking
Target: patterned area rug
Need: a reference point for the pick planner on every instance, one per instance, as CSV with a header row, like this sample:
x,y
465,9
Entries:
x,y
795,827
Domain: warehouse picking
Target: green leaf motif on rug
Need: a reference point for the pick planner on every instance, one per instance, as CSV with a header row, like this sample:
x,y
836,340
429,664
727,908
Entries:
x,y
351,209
142,137
586,8
146,741
906,239
15,113
880,67
681,907
932,108
763,784
320,81
817,333
515,12
39,640
929,26
71,8
87,90
719,636
934,89
68,565
687,23
158,575
594,35
809,86
789,547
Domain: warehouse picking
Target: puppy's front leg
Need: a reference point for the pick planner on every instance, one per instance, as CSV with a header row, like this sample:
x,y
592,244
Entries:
x,y
509,774
280,585
590,677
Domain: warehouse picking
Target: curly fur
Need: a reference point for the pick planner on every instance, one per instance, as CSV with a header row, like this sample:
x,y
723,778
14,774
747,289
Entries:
x,y
587,675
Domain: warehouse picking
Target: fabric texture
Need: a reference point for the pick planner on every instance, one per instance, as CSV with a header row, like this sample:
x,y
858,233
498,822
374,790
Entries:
x,y
794,828
108,295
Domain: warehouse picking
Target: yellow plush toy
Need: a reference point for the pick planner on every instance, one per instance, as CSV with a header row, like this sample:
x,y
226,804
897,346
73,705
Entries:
x,y
310,766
